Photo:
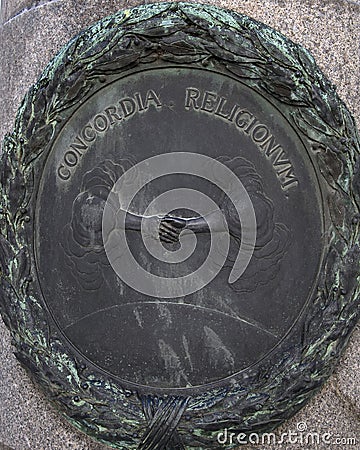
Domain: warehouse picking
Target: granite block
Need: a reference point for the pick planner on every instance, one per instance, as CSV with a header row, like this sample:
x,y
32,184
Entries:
x,y
31,33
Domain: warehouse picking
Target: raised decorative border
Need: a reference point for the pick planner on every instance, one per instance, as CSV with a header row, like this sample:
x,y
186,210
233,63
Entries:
x,y
202,36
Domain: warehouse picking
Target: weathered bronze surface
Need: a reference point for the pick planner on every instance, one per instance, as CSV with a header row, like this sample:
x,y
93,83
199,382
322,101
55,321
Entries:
x,y
192,94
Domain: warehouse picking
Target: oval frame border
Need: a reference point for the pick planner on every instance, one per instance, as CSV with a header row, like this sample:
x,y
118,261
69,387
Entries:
x,y
263,397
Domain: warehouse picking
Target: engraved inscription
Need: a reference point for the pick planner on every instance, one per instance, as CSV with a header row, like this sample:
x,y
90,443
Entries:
x,y
100,123
212,103
195,99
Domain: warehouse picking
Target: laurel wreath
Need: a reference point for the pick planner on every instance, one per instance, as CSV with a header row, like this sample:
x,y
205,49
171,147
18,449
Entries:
x,y
263,397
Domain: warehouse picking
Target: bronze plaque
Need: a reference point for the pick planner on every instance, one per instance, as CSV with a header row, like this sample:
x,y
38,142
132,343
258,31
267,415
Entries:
x,y
180,205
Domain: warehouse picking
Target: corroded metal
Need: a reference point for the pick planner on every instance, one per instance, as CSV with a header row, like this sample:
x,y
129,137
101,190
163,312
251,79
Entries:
x,y
261,397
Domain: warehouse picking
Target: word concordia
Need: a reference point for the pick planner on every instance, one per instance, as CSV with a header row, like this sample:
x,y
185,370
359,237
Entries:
x,y
100,124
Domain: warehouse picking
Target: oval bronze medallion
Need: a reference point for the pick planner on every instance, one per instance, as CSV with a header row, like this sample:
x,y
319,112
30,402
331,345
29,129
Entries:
x,y
180,209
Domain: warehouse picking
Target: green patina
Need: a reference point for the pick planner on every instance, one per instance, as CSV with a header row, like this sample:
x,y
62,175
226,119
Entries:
x,y
272,65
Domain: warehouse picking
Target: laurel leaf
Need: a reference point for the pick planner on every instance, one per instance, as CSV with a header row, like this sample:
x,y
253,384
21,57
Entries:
x,y
6,255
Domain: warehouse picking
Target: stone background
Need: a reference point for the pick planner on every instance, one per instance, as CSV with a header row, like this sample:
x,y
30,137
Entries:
x,y
31,33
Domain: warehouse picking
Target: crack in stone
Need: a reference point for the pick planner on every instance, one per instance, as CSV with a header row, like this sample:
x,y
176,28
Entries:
x,y
26,9
40,4
348,402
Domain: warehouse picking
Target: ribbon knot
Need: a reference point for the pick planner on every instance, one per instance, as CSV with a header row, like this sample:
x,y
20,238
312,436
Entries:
x,y
163,416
